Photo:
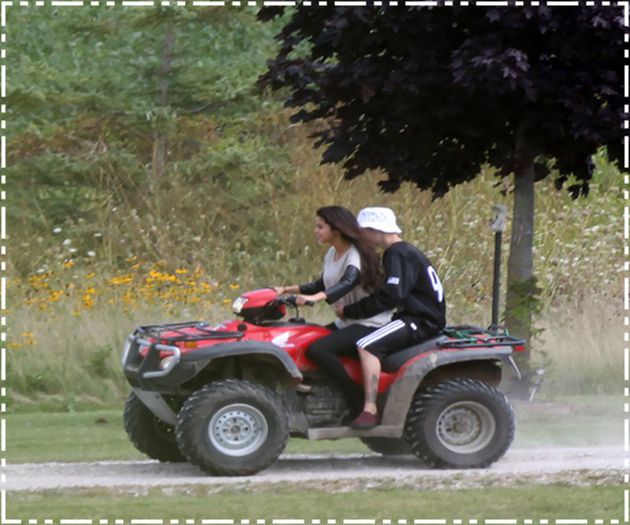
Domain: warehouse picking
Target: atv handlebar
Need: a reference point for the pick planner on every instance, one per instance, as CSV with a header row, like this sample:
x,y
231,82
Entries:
x,y
290,300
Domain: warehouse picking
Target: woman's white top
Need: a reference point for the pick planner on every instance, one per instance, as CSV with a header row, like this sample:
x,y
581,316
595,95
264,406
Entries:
x,y
333,272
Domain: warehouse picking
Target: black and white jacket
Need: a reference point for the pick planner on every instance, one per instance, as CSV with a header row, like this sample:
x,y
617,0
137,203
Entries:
x,y
411,287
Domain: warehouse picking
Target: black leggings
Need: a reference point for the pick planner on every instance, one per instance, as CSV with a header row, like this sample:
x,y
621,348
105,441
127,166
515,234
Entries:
x,y
326,353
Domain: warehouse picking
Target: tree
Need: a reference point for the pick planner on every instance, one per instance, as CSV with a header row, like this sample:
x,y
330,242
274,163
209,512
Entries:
x,y
429,95
110,109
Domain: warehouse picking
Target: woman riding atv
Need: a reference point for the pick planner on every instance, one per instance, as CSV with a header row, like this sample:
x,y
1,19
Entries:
x,y
351,272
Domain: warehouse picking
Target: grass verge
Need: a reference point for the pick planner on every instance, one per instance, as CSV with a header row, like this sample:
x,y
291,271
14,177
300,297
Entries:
x,y
549,502
99,435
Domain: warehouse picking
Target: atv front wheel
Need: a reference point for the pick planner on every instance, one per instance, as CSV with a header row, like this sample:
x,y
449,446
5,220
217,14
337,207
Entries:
x,y
148,433
232,428
460,423
387,446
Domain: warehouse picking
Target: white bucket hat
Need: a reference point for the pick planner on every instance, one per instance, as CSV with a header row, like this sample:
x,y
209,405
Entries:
x,y
381,219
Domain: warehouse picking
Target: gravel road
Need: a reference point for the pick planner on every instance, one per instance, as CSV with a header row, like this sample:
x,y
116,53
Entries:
x,y
337,472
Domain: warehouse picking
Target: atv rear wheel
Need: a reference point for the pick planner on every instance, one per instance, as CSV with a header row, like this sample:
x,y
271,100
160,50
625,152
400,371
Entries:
x,y
387,446
148,433
232,428
460,423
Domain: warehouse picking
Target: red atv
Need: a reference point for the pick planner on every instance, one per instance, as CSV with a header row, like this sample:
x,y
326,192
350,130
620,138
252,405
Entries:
x,y
228,397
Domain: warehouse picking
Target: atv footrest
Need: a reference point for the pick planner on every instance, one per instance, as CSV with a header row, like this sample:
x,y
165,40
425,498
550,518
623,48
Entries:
x,y
393,431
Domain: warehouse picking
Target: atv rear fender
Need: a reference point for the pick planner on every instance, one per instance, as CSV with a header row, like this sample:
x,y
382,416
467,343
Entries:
x,y
437,365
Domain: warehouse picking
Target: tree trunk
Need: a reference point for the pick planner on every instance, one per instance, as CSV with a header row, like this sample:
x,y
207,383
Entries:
x,y
520,299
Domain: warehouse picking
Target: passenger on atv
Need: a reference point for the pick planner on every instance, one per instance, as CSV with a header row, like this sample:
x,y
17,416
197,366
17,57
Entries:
x,y
411,287
351,270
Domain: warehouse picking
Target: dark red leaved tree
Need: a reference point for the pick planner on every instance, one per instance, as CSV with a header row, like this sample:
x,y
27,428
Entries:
x,y
431,94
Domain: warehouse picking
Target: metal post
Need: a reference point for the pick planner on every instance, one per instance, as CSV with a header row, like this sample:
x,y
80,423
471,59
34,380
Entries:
x,y
498,226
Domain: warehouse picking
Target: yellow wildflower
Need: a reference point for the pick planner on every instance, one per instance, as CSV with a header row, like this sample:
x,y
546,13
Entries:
x,y
121,279
55,295
88,302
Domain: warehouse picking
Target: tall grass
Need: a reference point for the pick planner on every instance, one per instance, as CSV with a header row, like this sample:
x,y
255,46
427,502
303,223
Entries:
x,y
66,334
75,362
580,348
97,245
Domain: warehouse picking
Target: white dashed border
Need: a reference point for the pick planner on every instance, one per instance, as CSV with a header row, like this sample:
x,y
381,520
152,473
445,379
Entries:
x,y
4,520
347,521
294,3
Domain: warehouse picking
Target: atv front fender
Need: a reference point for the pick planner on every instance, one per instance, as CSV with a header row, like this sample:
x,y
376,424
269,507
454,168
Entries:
x,y
411,376
250,348
145,373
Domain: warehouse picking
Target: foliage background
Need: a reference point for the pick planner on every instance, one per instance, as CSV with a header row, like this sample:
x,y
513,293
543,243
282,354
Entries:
x,y
102,240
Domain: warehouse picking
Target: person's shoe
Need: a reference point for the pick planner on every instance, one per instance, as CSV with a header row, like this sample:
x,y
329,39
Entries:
x,y
365,420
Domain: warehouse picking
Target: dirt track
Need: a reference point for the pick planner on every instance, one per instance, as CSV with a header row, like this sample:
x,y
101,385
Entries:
x,y
336,472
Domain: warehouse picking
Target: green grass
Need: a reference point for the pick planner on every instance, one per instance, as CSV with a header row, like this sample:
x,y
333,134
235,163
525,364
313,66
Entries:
x,y
551,502
99,434
79,436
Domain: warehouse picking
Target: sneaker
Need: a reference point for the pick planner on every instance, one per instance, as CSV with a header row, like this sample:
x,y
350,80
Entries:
x,y
365,420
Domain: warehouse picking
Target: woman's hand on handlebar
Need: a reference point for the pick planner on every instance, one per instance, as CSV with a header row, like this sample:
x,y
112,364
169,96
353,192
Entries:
x,y
308,300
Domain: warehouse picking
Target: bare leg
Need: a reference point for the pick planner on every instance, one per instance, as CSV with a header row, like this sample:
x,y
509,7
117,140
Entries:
x,y
371,369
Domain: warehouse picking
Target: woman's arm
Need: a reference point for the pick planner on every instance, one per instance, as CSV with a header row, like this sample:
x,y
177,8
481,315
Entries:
x,y
307,288
313,287
281,290
332,294
349,280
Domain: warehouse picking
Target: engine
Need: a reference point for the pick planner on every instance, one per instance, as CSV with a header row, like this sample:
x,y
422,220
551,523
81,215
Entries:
x,y
325,404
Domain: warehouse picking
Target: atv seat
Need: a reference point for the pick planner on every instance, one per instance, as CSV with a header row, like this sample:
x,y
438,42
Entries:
x,y
394,361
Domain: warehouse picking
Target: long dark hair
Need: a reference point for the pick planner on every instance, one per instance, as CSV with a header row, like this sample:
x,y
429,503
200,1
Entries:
x,y
342,220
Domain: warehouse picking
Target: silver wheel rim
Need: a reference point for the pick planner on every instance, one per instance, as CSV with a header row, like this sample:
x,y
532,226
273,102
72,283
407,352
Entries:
x,y
465,427
238,430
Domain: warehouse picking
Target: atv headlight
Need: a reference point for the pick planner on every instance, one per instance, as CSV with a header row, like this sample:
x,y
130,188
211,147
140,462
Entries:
x,y
238,304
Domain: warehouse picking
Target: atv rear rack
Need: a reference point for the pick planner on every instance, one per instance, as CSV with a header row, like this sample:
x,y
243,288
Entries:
x,y
464,337
157,332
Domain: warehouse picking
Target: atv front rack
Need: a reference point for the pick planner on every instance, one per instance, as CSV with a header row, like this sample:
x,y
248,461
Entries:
x,y
154,337
467,336
158,331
